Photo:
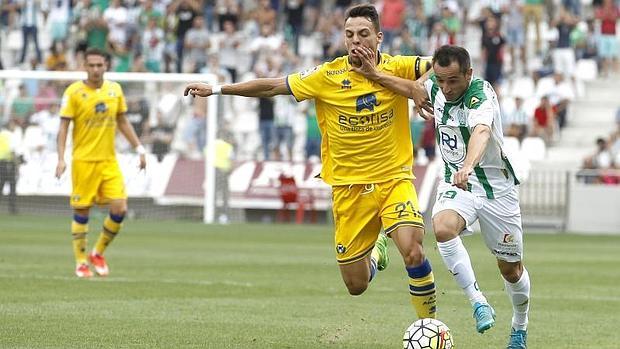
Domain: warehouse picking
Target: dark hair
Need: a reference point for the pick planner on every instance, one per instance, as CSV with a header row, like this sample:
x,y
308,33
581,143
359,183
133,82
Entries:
x,y
446,54
367,11
94,51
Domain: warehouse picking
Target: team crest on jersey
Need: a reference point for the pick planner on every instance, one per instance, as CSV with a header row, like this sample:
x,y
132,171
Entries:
x,y
346,84
304,74
368,101
341,249
100,107
473,102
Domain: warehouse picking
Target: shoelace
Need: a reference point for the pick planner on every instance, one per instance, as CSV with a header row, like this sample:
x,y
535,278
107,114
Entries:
x,y
516,338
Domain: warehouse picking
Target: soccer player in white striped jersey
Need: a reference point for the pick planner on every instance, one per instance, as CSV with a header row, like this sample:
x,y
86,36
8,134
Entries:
x,y
479,182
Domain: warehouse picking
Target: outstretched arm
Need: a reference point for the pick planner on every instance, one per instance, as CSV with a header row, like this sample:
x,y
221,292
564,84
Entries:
x,y
475,149
254,88
404,87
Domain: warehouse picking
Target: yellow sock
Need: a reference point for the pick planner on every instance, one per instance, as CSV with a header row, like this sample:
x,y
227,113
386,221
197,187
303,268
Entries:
x,y
110,229
79,232
422,290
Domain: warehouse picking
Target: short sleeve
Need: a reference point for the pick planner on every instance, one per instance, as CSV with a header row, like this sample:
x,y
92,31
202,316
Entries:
x,y
122,103
411,67
483,114
66,105
306,84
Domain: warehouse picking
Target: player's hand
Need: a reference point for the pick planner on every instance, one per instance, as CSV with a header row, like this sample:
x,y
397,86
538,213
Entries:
x,y
461,177
142,165
368,58
422,103
198,89
60,168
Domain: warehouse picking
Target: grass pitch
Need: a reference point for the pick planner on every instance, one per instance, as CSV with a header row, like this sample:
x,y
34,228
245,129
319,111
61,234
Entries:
x,y
189,285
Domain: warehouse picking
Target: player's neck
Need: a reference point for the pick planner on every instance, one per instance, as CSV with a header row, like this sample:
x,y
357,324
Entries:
x,y
93,84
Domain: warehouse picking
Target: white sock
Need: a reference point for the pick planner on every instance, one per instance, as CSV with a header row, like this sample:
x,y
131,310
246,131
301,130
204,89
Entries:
x,y
456,259
519,294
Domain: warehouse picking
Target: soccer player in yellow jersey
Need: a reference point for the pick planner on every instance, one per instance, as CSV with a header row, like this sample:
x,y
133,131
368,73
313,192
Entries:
x,y
366,153
97,108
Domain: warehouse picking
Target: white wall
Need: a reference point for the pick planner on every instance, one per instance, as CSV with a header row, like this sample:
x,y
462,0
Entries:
x,y
594,208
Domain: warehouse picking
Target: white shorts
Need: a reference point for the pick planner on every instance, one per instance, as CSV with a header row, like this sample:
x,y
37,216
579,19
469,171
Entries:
x,y
500,218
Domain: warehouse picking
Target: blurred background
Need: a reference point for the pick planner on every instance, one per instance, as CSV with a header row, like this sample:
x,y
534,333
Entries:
x,y
554,65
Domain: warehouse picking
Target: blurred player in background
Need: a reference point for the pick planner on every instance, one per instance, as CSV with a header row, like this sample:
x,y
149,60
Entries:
x,y
479,182
367,155
97,108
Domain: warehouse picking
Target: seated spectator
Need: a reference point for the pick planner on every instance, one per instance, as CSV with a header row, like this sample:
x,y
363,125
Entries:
x,y
601,159
544,120
517,121
56,60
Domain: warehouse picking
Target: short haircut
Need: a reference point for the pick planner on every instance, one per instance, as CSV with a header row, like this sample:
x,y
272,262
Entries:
x,y
367,11
446,54
94,51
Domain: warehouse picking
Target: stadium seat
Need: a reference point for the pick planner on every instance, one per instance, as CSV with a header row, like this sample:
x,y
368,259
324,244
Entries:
x,y
586,69
290,194
511,145
534,148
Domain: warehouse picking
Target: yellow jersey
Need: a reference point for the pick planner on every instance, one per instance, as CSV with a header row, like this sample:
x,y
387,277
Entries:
x,y
94,113
364,126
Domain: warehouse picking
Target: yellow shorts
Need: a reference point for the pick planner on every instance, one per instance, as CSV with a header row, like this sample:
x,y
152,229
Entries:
x,y
96,182
361,209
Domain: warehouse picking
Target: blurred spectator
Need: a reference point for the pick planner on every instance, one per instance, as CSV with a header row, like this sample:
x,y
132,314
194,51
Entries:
x,y
148,12
245,123
49,120
294,21
9,143
228,10
285,111
138,114
266,126
117,19
438,37
22,107
493,52
92,27
153,45
47,95
601,159
560,95
185,11
313,133
392,17
30,10
517,121
405,45
533,11
584,41
230,45
428,139
544,120
265,14
196,45
450,20
56,59
161,136
515,39
563,53
224,155
418,29
195,133
58,19
608,15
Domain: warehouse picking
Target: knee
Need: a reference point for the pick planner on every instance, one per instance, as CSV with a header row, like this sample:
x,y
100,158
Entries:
x,y
511,272
356,287
415,256
119,210
444,231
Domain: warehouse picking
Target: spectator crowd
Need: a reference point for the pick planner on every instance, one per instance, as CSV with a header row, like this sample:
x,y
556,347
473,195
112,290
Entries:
x,y
530,50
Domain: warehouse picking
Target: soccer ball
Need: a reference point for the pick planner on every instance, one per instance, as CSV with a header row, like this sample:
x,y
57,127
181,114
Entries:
x,y
428,334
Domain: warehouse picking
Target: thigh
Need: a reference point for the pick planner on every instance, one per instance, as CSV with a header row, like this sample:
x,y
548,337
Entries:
x,y
86,179
399,205
500,223
356,222
462,202
112,184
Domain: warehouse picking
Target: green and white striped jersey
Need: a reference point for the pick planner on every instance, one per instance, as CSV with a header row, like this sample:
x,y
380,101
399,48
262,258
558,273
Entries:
x,y
454,123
